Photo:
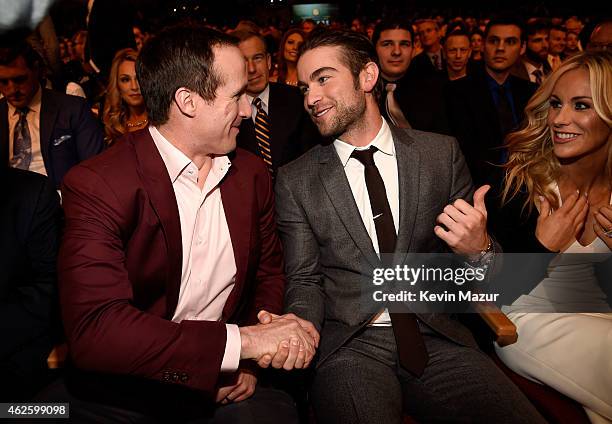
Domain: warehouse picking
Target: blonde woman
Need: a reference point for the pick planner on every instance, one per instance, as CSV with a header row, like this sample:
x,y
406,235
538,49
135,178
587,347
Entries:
x,y
124,108
557,198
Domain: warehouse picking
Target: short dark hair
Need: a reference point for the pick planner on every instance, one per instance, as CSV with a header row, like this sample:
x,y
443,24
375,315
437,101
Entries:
x,y
559,28
458,33
11,49
179,56
357,50
392,23
505,20
532,28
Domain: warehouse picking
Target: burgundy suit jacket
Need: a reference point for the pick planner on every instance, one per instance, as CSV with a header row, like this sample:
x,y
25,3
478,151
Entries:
x,y
121,258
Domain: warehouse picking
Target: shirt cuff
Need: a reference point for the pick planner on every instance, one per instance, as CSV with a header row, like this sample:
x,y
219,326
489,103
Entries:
x,y
233,344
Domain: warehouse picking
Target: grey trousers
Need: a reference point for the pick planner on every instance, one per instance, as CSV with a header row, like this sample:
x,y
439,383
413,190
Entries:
x,y
362,383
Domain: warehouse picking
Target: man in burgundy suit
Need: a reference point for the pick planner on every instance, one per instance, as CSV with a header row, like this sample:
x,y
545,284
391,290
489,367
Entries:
x,y
170,254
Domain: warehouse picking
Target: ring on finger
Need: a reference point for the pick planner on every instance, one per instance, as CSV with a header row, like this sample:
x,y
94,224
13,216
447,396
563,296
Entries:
x,y
608,233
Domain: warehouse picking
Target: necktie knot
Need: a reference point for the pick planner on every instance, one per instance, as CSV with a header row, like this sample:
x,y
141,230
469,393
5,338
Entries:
x,y
390,87
366,157
23,112
258,104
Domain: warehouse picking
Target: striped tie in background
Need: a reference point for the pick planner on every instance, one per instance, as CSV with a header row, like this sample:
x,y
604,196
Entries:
x,y
262,133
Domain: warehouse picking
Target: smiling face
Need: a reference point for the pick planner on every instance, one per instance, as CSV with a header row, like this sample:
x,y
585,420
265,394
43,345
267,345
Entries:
x,y
394,50
292,44
330,94
576,128
128,84
258,63
219,119
556,40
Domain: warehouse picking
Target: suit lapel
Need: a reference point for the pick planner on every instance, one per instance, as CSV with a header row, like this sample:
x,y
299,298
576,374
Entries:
x,y
238,219
48,115
408,169
159,188
278,118
338,190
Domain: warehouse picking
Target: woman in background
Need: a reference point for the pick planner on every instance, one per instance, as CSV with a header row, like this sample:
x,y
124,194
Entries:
x,y
557,197
124,108
288,56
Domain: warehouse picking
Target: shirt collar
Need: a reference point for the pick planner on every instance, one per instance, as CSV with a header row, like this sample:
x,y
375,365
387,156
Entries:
x,y
383,142
34,105
493,85
176,161
264,96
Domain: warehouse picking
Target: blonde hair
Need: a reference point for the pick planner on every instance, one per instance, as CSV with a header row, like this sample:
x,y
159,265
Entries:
x,y
116,113
532,164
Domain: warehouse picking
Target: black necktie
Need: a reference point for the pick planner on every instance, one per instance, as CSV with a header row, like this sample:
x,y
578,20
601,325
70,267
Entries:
x,y
262,133
410,345
22,142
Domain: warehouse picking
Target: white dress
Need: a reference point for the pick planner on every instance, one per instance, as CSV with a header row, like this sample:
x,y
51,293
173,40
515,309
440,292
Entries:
x,y
570,352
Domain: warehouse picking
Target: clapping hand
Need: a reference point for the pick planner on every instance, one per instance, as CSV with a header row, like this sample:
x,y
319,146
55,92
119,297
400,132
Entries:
x,y
466,225
557,229
603,224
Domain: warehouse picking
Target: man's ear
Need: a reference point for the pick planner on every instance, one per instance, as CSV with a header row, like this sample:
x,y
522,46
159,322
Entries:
x,y
523,48
185,101
369,76
269,61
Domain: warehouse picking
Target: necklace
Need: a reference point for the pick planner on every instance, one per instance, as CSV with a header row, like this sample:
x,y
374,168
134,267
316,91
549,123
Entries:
x,y
137,123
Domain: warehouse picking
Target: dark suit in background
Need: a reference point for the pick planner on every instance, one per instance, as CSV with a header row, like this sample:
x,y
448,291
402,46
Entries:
x,y
422,66
475,123
69,133
421,100
29,240
291,129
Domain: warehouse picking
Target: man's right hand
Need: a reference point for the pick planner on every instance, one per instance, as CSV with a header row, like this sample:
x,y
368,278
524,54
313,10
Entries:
x,y
281,342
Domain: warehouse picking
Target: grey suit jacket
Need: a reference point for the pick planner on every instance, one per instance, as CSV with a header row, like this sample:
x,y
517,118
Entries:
x,y
328,253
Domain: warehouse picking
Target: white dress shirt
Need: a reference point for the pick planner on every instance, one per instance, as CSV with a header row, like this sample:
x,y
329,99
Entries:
x,y
209,267
33,118
265,101
386,162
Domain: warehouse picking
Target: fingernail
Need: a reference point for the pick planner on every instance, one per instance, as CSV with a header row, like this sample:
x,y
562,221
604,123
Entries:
x,y
284,344
294,342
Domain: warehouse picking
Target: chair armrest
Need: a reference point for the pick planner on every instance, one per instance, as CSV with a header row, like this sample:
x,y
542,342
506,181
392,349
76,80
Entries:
x,y
57,356
498,322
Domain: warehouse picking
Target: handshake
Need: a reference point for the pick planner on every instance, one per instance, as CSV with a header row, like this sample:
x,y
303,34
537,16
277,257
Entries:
x,y
283,341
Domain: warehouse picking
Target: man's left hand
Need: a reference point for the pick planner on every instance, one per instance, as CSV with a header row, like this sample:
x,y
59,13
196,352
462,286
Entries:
x,y
242,390
466,225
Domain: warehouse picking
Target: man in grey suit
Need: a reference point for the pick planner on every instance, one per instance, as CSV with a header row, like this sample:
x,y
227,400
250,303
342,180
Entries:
x,y
334,225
